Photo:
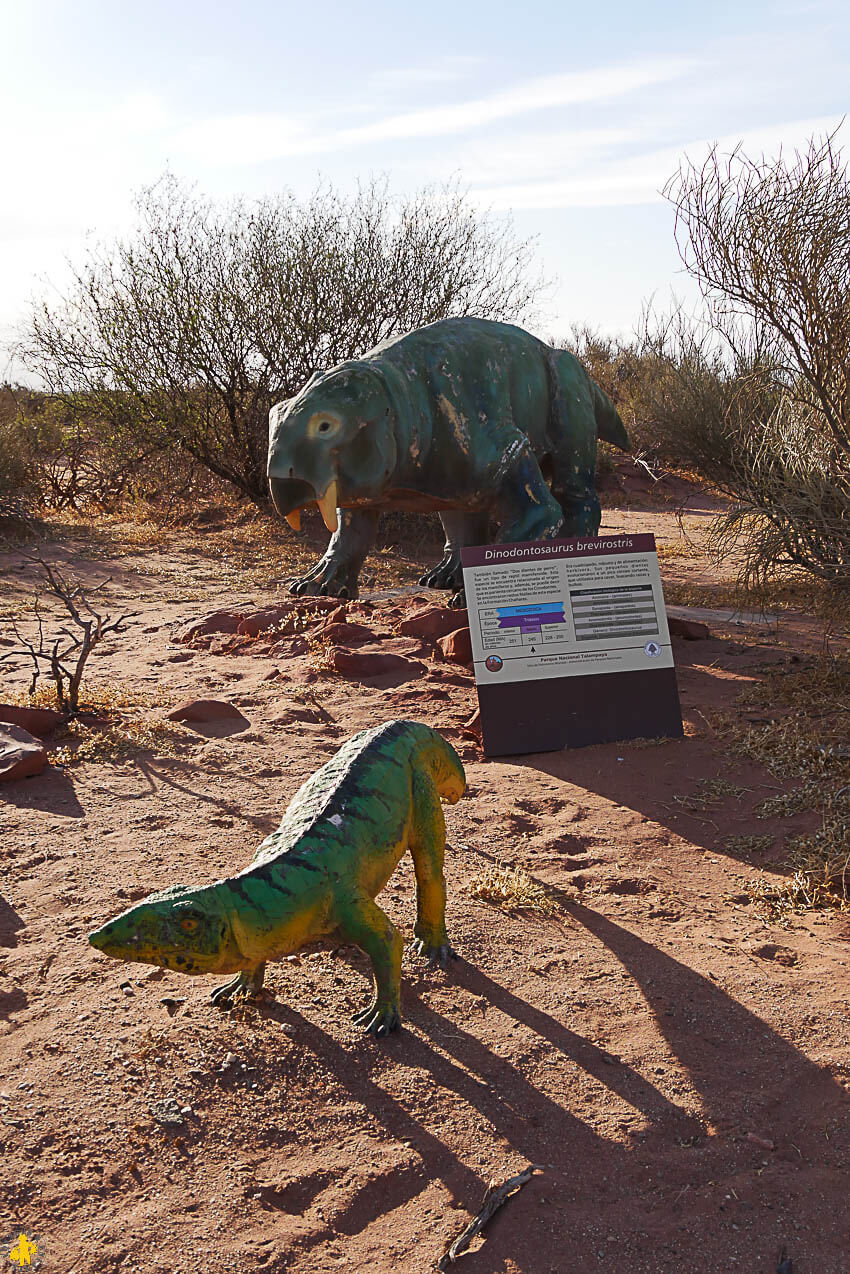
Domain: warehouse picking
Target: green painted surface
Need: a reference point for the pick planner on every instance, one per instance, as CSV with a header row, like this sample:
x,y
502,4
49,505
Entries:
x,y
470,419
316,877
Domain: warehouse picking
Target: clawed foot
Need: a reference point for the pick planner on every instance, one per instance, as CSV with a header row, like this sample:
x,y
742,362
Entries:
x,y
438,954
319,588
378,1019
458,600
244,986
446,574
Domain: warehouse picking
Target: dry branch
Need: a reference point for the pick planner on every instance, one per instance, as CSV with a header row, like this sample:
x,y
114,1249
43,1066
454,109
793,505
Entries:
x,y
64,657
493,1200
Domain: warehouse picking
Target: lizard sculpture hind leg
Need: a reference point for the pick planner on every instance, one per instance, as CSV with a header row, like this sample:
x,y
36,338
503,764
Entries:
x,y
427,846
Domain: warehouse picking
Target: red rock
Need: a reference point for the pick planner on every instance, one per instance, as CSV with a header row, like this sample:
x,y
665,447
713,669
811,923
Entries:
x,y
433,622
220,621
456,647
473,725
289,647
261,620
363,664
690,629
318,601
205,710
21,755
337,616
39,721
344,634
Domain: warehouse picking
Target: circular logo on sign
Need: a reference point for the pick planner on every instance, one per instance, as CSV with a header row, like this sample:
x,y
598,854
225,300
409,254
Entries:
x,y
653,649
493,663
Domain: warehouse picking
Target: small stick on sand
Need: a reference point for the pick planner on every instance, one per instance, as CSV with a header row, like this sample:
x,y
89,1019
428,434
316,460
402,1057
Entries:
x,y
493,1200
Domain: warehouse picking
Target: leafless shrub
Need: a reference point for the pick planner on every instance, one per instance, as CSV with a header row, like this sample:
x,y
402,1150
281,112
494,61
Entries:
x,y
184,334
63,656
768,241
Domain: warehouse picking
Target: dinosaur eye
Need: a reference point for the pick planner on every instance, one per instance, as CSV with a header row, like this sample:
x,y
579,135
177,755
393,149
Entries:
x,y
324,427
189,924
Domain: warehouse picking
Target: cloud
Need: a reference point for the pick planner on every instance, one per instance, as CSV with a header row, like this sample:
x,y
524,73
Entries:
x,y
638,179
542,93
405,78
264,137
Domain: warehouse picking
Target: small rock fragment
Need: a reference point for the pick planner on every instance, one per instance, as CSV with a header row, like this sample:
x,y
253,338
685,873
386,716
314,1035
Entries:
x,y
21,755
456,647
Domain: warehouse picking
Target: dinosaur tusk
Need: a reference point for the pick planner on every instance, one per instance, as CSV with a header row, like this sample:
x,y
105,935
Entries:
x,y
327,507
294,519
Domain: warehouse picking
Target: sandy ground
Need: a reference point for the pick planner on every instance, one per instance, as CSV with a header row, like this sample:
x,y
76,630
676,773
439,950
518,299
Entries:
x,y
677,1068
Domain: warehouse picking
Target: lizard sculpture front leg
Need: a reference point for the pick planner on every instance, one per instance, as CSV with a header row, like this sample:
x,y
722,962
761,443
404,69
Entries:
x,y
373,932
247,984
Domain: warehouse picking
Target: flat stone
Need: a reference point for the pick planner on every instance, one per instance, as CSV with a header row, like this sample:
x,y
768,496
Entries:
x,y
21,755
206,710
345,634
361,665
40,721
261,620
219,621
433,622
689,629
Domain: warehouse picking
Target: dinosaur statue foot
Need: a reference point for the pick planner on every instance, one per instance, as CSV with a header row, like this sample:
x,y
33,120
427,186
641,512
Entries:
x,y
321,588
378,1019
435,953
458,600
446,574
246,985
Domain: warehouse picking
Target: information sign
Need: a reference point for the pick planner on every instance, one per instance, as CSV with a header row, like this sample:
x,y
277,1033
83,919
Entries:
x,y
570,643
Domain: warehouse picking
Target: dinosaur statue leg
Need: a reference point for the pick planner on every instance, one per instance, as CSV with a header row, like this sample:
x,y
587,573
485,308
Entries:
x,y
373,932
247,983
461,530
574,487
524,505
338,571
427,846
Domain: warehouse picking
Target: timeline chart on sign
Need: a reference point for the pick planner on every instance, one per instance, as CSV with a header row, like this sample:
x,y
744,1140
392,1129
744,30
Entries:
x,y
510,626
565,607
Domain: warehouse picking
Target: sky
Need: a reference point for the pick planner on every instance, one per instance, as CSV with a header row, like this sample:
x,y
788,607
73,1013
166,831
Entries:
x,y
569,118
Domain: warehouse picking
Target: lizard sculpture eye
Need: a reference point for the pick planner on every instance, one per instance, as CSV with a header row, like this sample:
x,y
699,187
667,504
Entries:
x,y
189,924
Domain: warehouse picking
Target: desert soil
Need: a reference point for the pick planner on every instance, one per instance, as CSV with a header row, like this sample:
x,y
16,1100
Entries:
x,y
676,1067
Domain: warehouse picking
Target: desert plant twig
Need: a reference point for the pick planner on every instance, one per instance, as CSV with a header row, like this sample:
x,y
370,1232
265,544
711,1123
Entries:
x,y
63,656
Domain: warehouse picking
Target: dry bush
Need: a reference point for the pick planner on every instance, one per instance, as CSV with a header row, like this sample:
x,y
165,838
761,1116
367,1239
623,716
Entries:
x,y
63,653
768,242
186,333
513,889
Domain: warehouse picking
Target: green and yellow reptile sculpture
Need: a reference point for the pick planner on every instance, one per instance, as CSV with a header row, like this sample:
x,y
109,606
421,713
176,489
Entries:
x,y
316,877
466,418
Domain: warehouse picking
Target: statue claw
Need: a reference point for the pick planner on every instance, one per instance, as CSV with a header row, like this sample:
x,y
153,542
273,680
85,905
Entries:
x,y
438,954
377,1019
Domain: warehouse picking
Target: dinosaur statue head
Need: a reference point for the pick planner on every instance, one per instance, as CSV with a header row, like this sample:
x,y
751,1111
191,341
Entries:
x,y
183,929
333,444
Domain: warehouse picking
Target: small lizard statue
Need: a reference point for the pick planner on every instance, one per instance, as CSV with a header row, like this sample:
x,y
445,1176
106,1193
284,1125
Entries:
x,y
316,877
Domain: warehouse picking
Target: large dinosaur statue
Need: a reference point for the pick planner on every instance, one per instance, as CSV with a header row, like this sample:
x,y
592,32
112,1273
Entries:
x,y
316,877
466,418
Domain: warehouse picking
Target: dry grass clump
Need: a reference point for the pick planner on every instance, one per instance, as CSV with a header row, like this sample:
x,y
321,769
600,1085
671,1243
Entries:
x,y
807,744
747,844
105,698
709,792
513,889
119,742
